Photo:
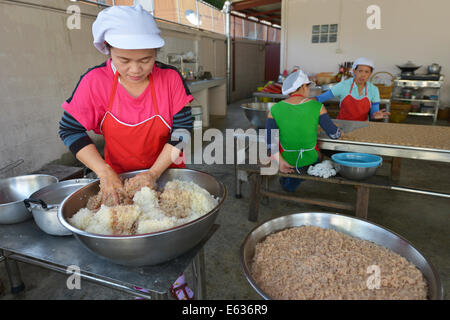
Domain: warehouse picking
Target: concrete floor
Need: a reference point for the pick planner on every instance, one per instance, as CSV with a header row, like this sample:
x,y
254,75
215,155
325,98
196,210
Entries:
x,y
423,220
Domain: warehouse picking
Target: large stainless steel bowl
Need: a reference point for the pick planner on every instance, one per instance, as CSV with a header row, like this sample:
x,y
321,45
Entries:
x,y
45,202
256,113
14,190
152,248
351,226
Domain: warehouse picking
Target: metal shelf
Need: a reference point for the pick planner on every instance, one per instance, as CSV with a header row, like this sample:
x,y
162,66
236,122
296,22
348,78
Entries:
x,y
434,84
422,114
416,100
419,85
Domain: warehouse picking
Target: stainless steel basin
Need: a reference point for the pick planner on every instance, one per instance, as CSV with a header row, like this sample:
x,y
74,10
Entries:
x,y
152,248
351,226
256,113
14,190
354,173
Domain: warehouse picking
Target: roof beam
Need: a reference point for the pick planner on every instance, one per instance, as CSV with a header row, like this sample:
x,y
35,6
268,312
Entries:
x,y
246,4
264,13
277,22
263,16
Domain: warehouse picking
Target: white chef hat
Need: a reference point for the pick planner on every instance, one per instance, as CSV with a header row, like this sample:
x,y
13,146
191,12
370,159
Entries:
x,y
126,27
363,62
294,81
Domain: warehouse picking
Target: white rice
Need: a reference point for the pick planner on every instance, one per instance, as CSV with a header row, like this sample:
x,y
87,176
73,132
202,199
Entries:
x,y
146,215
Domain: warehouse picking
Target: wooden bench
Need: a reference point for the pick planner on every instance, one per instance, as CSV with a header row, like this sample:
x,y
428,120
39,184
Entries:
x,y
360,207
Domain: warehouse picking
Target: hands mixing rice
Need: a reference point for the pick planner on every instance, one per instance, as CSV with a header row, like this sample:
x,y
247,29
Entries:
x,y
148,211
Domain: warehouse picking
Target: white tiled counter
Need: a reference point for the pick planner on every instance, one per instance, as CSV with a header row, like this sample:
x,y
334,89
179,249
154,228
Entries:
x,y
211,95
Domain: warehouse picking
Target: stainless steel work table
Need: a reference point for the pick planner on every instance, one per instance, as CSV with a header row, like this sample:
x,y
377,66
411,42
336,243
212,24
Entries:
x,y
25,242
385,149
361,206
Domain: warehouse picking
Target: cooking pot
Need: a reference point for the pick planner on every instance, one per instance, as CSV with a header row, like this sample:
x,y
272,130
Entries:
x,y
407,93
45,202
434,69
14,190
408,67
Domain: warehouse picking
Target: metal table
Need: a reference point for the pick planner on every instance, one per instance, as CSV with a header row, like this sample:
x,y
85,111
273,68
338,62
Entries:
x,y
385,149
382,149
25,242
395,151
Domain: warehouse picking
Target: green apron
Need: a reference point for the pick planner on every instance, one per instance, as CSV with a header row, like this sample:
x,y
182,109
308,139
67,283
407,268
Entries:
x,y
298,131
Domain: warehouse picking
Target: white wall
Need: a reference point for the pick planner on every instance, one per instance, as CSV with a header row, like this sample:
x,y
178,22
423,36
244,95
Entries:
x,y
416,30
41,62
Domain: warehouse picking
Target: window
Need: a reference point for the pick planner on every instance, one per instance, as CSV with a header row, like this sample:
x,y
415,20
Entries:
x,y
325,33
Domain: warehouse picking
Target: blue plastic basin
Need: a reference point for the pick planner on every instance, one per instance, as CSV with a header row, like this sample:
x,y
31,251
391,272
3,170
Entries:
x,y
358,160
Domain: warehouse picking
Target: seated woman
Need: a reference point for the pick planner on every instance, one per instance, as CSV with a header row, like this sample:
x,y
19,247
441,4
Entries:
x,y
358,97
297,119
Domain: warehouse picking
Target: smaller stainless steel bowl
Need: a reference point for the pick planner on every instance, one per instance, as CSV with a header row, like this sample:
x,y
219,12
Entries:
x,y
256,113
45,202
354,173
356,166
351,226
14,190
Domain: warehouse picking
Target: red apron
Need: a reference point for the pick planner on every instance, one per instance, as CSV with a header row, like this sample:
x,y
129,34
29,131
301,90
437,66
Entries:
x,y
354,109
135,147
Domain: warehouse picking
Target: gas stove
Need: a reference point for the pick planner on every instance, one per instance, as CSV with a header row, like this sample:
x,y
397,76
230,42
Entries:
x,y
420,77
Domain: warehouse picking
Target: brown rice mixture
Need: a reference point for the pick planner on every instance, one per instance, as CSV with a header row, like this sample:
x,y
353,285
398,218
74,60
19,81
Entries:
x,y
312,263
435,137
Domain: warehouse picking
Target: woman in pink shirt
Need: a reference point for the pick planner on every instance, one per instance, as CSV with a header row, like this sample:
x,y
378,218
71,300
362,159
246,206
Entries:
x,y
134,101
131,100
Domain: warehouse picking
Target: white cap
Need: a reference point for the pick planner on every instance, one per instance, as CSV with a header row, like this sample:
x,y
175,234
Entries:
x,y
294,81
363,62
126,27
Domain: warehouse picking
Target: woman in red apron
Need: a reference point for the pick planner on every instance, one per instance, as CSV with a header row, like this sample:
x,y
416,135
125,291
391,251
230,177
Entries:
x,y
354,109
359,99
134,102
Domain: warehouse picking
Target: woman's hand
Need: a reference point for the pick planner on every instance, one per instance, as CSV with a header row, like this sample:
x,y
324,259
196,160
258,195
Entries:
x,y
284,167
144,179
382,114
112,191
